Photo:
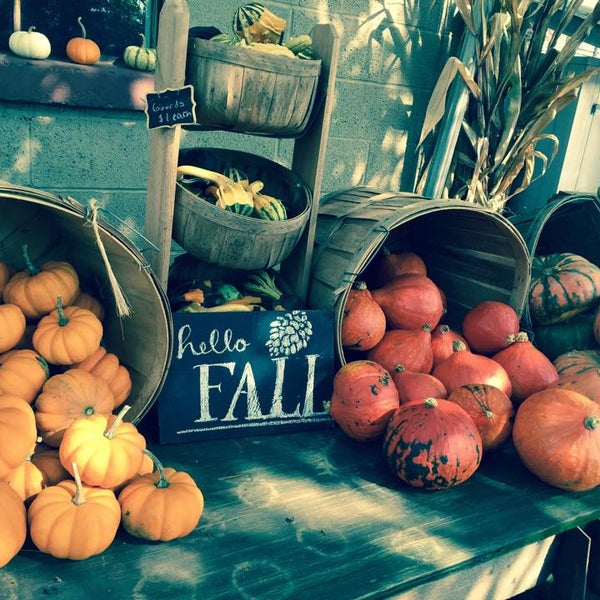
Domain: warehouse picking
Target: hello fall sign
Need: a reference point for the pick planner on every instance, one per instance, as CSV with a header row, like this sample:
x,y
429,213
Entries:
x,y
249,373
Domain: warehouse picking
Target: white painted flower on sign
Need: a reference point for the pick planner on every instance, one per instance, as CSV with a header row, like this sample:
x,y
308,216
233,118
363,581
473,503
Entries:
x,y
289,333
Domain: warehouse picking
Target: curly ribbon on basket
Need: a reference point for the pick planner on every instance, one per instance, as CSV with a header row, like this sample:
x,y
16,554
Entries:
x,y
122,305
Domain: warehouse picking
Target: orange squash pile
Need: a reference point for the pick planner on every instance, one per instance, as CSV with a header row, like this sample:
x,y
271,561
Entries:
x,y
66,454
480,386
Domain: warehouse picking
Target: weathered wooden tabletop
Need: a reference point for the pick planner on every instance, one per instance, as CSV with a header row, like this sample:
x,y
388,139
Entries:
x,y
312,515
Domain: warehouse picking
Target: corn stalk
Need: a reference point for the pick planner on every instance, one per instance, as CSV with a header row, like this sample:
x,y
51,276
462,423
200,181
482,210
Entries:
x,y
518,82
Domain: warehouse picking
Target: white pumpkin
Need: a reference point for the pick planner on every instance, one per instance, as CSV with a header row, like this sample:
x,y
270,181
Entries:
x,y
30,44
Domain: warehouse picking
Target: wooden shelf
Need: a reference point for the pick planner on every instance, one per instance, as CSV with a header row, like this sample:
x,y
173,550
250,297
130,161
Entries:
x,y
308,157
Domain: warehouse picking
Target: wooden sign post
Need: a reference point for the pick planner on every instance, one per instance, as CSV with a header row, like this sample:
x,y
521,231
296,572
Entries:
x,y
171,50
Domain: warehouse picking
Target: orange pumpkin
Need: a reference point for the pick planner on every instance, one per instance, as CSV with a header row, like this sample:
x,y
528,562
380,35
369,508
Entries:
x,y
23,373
363,322
442,342
67,397
107,450
34,290
17,432
557,435
490,326
12,326
47,460
161,506
71,520
491,410
67,336
26,479
83,50
13,524
86,300
107,366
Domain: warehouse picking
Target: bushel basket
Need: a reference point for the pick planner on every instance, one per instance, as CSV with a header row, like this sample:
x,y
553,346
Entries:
x,y
471,253
221,237
62,229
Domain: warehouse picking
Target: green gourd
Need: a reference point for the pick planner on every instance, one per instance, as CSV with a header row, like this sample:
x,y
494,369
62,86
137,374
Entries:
x,y
140,58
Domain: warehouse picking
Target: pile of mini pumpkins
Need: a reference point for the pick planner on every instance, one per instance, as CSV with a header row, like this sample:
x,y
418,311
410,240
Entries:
x,y
71,469
438,398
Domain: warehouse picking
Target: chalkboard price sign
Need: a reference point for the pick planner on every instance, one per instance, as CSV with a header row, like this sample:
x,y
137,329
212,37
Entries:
x,y
169,108
240,374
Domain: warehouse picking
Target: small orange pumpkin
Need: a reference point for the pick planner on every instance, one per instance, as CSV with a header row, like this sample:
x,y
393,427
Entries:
x,y
71,520
34,290
17,432
363,322
107,450
107,365
47,460
12,326
67,397
82,50
26,479
86,300
161,506
23,373
13,524
67,335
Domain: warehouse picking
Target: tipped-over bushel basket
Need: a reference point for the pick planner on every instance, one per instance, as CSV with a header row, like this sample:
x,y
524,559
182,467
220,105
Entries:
x,y
62,229
471,253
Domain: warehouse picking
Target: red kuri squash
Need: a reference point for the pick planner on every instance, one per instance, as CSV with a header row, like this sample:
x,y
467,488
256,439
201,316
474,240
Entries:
x,y
409,348
491,410
442,342
412,385
363,398
363,321
557,435
393,264
432,444
410,301
464,367
490,326
528,368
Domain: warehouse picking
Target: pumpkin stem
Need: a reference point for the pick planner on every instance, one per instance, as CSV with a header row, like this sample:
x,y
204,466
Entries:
x,y
32,268
143,40
162,482
111,432
458,346
83,31
78,498
62,318
430,403
591,423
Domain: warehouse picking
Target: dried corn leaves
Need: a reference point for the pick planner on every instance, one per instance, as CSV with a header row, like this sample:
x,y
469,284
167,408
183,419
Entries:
x,y
518,81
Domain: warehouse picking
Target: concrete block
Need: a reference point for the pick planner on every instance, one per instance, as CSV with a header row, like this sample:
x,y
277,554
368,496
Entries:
x,y
91,149
16,147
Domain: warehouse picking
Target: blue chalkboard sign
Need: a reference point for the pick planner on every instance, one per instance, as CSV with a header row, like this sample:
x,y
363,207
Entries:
x,y
239,374
169,108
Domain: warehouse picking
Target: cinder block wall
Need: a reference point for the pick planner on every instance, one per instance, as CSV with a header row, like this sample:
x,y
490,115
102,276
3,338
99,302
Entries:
x,y
385,76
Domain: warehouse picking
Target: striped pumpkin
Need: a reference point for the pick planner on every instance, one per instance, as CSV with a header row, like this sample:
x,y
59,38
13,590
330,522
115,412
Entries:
x,y
576,362
247,15
562,285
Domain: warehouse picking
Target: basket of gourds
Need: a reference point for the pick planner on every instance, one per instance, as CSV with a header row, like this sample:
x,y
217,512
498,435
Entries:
x,y
238,210
252,79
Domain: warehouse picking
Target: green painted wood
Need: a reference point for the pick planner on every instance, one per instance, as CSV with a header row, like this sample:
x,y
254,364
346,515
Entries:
x,y
313,514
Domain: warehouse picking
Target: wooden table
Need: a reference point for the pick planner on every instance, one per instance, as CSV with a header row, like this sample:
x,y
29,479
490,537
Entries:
x,y
316,515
